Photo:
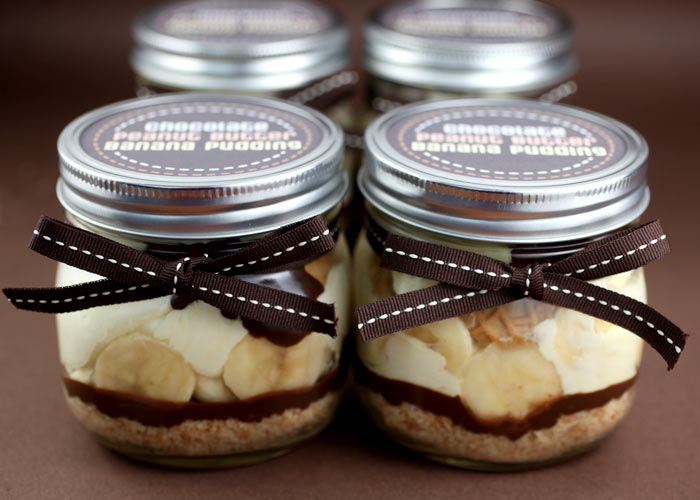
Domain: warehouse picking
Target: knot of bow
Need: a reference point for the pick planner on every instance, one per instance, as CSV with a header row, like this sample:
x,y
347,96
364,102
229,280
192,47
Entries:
x,y
470,282
133,275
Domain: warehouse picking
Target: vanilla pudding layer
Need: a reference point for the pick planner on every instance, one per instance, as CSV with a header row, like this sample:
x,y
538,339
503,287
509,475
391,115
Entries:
x,y
149,348
505,364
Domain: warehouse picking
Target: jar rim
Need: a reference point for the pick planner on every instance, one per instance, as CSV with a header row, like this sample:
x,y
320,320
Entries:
x,y
203,192
214,56
447,193
420,54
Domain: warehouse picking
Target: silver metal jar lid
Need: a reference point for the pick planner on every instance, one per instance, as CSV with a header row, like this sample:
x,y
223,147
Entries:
x,y
481,46
200,166
238,45
510,171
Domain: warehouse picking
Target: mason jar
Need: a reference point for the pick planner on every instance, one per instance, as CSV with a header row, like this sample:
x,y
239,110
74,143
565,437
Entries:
x,y
173,380
526,383
291,49
418,50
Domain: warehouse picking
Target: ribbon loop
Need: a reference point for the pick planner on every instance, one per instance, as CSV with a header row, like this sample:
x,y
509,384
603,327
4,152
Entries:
x,y
292,245
444,264
624,251
133,275
470,282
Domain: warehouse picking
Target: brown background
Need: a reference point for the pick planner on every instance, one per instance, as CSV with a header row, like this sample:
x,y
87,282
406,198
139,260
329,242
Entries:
x,y
640,64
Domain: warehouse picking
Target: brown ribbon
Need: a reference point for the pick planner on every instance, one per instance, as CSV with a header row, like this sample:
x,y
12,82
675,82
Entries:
x,y
470,282
134,275
323,94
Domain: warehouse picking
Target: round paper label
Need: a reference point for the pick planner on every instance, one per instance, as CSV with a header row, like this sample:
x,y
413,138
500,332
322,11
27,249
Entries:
x,y
201,138
248,21
505,142
472,22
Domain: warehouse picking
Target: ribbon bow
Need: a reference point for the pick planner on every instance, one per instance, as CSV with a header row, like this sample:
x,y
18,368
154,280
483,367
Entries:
x,y
133,275
470,282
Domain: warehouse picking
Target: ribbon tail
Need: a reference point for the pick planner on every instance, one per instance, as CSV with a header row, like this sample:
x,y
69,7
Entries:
x,y
93,253
291,245
412,309
266,305
665,337
621,252
78,297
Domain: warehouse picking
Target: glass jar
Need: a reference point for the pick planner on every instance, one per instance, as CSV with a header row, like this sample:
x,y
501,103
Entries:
x,y
526,383
289,49
418,50
176,381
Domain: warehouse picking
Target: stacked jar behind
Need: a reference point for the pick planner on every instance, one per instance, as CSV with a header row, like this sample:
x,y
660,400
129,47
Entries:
x,y
520,384
174,380
418,50
290,49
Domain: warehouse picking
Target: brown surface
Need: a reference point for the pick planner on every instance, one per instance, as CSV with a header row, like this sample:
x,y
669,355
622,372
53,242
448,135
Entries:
x,y
640,64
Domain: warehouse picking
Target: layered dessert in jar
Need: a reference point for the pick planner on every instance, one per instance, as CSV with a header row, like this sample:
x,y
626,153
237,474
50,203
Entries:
x,y
524,383
418,50
172,379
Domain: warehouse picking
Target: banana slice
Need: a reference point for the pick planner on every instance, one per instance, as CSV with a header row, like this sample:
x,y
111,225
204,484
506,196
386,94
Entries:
x,y
372,282
589,354
305,362
319,268
202,334
336,292
371,352
450,338
404,283
509,382
138,364
408,359
83,334
253,367
83,375
212,390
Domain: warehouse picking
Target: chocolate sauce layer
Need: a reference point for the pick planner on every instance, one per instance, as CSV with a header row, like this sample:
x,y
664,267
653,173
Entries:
x,y
155,412
295,280
397,392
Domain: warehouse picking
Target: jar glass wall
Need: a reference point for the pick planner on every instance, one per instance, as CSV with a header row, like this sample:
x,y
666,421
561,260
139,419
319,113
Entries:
x,y
181,379
179,382
514,386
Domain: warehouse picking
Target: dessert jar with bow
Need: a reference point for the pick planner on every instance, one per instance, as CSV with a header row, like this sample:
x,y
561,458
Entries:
x,y
291,49
502,308
418,50
203,284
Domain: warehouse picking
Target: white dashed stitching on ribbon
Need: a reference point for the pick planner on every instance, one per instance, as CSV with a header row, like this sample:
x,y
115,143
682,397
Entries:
x,y
177,270
80,297
325,86
448,264
266,304
277,254
618,257
97,256
375,235
614,308
433,303
558,93
527,281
